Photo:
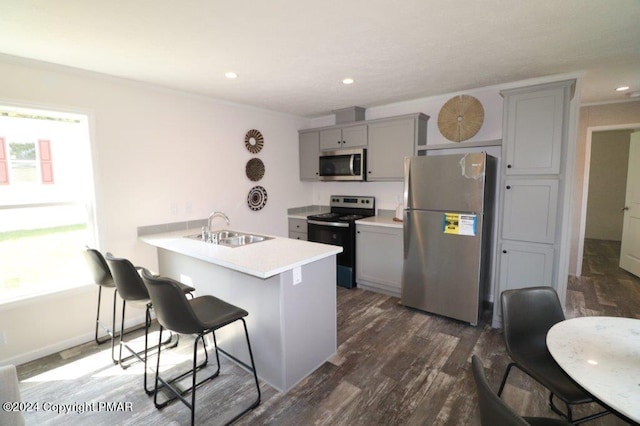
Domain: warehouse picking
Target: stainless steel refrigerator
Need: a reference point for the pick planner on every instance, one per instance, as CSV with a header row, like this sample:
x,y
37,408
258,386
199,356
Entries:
x,y
448,204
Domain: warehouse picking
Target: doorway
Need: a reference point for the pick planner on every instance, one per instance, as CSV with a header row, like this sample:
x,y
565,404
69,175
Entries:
x,y
607,158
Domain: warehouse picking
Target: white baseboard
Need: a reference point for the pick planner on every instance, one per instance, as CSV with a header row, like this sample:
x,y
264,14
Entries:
x,y
63,345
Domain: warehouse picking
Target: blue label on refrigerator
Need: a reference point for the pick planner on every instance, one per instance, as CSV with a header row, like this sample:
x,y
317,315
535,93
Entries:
x,y
459,224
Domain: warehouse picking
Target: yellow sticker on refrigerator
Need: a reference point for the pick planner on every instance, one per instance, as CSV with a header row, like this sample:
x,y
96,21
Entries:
x,y
459,223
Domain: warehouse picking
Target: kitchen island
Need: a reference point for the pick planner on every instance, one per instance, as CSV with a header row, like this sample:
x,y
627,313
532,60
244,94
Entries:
x,y
287,286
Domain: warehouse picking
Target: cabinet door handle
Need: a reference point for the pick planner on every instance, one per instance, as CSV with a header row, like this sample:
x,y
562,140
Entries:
x,y
339,142
504,251
624,208
508,166
508,186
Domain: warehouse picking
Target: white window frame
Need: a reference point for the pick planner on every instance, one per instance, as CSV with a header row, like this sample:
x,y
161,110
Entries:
x,y
86,118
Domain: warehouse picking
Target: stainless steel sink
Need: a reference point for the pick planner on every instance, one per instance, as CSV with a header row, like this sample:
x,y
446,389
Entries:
x,y
233,238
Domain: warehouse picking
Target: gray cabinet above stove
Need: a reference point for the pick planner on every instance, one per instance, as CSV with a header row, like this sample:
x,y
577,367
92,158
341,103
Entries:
x,y
387,140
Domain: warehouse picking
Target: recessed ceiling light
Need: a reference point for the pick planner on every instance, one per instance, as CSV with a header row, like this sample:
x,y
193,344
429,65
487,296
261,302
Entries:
x,y
348,81
231,74
622,88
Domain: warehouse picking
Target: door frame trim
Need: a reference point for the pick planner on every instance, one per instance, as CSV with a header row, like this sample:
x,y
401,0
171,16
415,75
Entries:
x,y
585,184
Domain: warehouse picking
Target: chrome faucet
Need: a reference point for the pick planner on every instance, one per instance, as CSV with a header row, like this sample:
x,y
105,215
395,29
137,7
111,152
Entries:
x,y
207,234
217,214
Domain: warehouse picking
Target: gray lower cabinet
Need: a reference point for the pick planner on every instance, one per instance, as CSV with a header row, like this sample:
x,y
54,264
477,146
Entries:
x,y
525,265
379,258
298,229
309,143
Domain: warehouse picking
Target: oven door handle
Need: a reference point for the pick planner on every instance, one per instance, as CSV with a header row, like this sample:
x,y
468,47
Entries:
x,y
336,224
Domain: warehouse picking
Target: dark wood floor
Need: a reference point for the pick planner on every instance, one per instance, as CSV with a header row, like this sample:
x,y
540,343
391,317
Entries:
x,y
394,366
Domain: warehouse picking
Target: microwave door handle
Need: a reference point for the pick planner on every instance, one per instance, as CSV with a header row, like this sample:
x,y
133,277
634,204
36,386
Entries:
x,y
351,161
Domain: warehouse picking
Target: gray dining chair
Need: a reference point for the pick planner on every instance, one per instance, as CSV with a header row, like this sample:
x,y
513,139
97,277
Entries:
x,y
494,411
527,315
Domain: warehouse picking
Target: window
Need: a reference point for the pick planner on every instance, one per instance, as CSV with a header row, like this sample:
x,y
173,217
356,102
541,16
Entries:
x,y
46,201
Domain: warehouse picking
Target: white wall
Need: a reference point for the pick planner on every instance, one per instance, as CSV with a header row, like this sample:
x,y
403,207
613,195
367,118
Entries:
x,y
159,156
607,184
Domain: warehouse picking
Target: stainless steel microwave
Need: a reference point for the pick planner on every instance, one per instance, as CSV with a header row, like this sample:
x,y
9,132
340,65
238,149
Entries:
x,y
344,164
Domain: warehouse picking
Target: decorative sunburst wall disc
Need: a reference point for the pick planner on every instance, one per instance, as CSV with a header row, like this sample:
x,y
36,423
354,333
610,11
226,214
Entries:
x,y
460,118
254,141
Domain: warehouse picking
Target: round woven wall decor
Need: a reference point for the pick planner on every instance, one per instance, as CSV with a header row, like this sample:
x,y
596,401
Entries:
x,y
254,141
255,169
460,118
257,198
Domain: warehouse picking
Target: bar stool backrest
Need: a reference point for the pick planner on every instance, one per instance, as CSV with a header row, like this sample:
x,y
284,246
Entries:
x,y
128,281
171,305
98,267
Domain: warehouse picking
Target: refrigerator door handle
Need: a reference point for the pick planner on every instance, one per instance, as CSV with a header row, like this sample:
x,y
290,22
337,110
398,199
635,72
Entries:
x,y
407,234
407,186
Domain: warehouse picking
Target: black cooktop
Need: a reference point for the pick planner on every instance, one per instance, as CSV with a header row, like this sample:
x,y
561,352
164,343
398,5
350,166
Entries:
x,y
346,208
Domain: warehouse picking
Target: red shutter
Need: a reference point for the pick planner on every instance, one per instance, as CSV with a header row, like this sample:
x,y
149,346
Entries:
x,y
4,166
46,165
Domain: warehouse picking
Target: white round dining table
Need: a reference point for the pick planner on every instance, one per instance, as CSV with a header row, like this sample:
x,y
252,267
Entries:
x,y
602,354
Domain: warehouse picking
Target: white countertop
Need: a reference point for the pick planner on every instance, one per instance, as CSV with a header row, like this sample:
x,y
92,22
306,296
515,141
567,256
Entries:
x,y
380,221
602,354
263,260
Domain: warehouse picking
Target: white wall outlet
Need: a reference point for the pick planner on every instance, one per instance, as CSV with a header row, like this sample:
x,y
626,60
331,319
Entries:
x,y
297,275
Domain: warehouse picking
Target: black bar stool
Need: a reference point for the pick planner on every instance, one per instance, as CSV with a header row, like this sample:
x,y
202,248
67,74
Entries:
x,y
200,316
103,279
132,290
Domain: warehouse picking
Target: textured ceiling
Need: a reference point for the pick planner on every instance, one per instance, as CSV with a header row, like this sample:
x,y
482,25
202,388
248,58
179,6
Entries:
x,y
291,55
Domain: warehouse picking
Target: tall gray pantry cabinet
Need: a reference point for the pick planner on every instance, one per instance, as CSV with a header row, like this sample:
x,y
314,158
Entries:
x,y
535,192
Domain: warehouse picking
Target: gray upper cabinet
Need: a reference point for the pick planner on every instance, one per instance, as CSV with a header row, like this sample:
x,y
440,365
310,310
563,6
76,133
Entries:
x,y
533,132
353,136
389,142
309,154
